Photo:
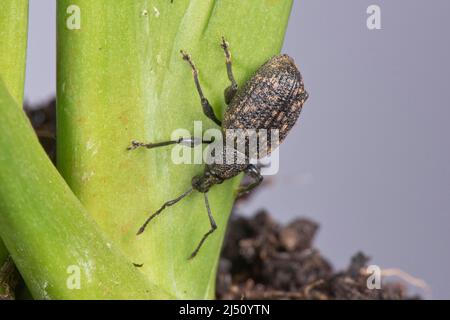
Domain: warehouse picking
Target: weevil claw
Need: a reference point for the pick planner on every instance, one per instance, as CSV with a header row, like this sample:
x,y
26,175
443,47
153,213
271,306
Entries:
x,y
134,144
224,43
185,55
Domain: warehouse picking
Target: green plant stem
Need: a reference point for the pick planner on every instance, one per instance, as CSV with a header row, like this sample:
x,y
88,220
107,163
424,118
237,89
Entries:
x,y
121,77
13,45
47,231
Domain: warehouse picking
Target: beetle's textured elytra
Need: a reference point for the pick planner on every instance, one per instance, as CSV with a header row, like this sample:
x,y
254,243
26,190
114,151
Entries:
x,y
271,100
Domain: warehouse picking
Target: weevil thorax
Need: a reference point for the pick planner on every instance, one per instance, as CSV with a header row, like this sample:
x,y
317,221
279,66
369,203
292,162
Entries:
x,y
203,182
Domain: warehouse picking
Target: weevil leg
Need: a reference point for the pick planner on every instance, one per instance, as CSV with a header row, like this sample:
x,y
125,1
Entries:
x,y
230,91
189,142
253,172
207,109
165,205
206,235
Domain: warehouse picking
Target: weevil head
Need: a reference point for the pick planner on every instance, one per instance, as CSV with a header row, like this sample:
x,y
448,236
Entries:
x,y
204,182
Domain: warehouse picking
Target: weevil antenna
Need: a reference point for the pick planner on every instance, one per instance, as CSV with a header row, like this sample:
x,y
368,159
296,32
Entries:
x,y
213,228
165,205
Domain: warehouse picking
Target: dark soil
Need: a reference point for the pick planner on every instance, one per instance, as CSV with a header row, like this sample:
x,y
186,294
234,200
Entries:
x,y
262,259
43,119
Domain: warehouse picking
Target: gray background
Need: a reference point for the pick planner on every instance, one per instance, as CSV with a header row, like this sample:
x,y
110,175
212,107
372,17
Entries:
x,y
370,157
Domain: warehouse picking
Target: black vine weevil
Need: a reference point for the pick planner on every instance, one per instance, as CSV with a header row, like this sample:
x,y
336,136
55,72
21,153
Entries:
x,y
271,100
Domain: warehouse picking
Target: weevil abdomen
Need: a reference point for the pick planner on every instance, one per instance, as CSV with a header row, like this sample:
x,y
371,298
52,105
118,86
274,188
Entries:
x,y
271,99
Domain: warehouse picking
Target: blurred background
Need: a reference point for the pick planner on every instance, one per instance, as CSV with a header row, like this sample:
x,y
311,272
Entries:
x,y
370,158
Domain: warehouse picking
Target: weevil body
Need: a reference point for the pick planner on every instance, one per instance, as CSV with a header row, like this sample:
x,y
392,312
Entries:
x,y
271,100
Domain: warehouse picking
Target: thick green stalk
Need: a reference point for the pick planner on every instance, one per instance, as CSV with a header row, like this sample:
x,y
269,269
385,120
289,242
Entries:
x,y
50,236
121,77
13,45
